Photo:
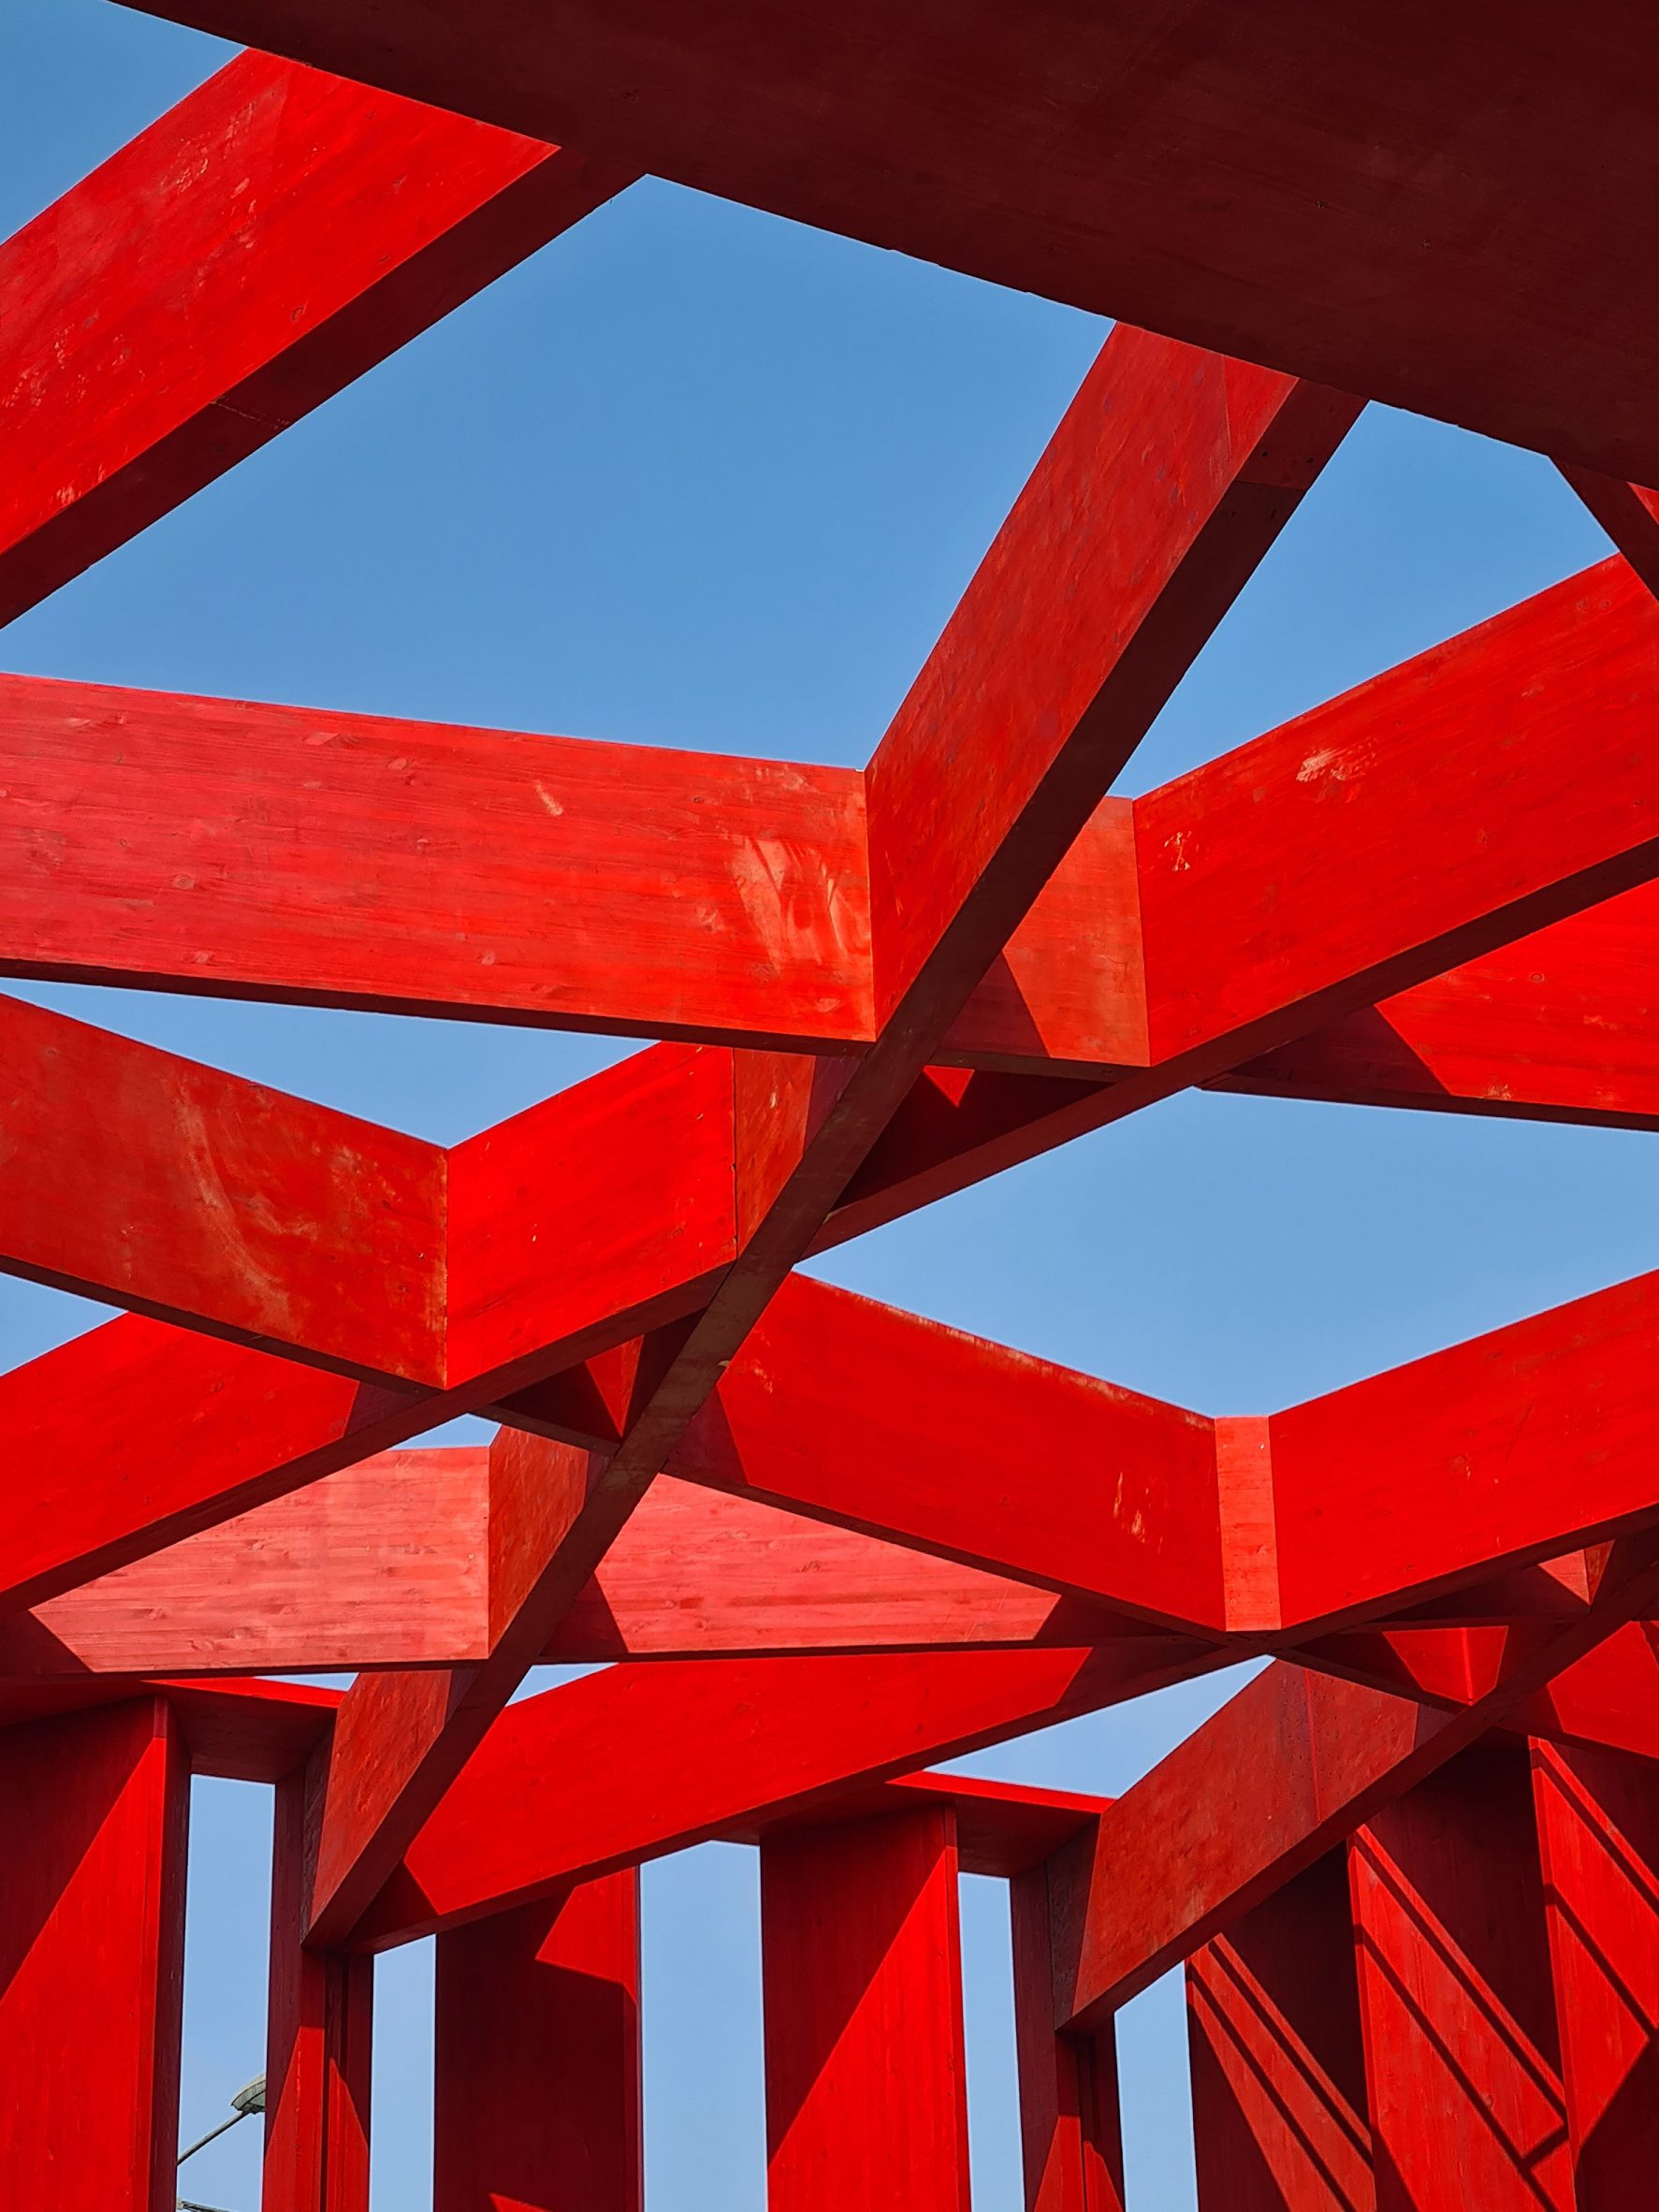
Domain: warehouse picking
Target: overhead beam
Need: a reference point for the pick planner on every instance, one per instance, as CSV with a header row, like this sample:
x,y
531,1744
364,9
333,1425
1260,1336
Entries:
x,y
1467,1475
768,938
1240,179
328,858
385,1563
1167,481
205,1198
1555,1027
1294,1763
545,1799
261,246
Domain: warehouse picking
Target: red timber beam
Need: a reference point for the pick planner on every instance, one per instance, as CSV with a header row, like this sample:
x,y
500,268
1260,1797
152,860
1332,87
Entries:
x,y
867,2075
666,1122
299,230
91,1958
544,1799
538,2056
220,1431
768,938
1292,1765
1248,182
1170,476
1467,1473
385,1564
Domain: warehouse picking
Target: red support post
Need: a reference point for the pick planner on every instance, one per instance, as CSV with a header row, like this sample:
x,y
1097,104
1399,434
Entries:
x,y
1279,2110
1599,1832
1461,2057
92,1960
319,2045
1070,2133
538,2057
866,2073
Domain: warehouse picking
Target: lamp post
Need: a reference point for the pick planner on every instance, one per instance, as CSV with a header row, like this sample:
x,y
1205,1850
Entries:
x,y
247,2101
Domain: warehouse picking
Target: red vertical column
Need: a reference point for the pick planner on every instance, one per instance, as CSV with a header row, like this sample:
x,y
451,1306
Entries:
x,y
1599,1832
319,2045
1461,2057
1069,2130
862,1969
1279,2112
92,1960
538,2057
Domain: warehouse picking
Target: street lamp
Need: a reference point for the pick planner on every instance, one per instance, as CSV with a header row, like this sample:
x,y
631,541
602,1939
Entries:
x,y
247,2101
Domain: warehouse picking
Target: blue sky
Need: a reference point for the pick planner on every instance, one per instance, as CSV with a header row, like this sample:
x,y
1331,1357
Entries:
x,y
693,476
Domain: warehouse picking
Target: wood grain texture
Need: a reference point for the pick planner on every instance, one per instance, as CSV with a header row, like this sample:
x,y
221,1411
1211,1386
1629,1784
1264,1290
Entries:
x,y
287,852
385,1564
1480,1439
1243,180
91,1958
538,2057
1247,1801
294,230
133,1436
1287,849
800,1127
1170,476
840,1406
221,1203
1557,1026
866,2070
381,1564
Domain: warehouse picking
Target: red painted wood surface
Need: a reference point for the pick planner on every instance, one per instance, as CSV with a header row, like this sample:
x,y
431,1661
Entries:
x,y
1461,2059
715,1745
1004,1830
1463,1455
319,2045
205,1198
385,1564
1293,1763
1598,1835
1244,180
129,1438
91,1958
1556,1026
1091,517
1170,477
1249,1800
866,2077
1279,2109
766,936
334,859
1540,713
296,230
931,1442
1071,2131
538,2059
382,1564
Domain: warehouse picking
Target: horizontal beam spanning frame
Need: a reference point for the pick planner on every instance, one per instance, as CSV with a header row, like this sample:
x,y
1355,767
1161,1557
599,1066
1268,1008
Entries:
x,y
767,939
